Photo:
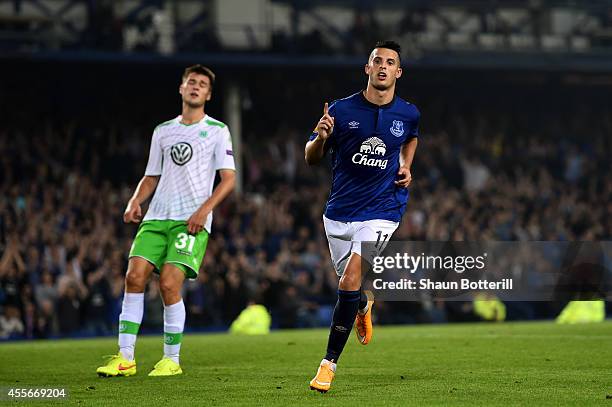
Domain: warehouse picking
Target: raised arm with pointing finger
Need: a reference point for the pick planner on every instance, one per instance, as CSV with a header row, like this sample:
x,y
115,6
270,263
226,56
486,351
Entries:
x,y
315,149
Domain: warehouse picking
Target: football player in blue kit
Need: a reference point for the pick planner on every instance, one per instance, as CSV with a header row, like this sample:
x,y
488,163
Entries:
x,y
372,137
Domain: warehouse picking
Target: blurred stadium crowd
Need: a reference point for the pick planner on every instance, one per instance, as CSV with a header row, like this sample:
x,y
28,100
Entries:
x,y
483,171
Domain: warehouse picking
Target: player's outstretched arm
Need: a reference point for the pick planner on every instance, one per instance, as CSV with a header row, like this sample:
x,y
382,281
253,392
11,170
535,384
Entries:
x,y
146,186
315,149
196,222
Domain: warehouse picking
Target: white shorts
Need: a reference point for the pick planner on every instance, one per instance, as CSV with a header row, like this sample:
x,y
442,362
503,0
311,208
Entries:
x,y
345,238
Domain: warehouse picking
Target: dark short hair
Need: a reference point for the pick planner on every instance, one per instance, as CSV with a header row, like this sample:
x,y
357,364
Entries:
x,y
202,70
392,45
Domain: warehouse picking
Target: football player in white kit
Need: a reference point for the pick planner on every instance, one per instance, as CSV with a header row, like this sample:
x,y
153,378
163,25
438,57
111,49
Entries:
x,y
186,153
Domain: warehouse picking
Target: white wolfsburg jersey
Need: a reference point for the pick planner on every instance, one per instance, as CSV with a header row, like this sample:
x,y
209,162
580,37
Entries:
x,y
187,157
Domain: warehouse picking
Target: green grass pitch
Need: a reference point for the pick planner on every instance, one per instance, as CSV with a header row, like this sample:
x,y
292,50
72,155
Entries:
x,y
469,364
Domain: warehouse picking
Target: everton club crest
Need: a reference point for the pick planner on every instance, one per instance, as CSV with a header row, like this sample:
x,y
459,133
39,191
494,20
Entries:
x,y
397,129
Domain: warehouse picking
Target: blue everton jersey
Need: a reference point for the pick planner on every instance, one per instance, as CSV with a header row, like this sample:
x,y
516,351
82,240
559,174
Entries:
x,y
365,150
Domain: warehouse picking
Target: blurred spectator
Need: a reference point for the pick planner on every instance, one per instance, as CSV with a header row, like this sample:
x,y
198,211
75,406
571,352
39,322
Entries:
x,y
69,309
475,174
47,321
10,323
96,314
30,321
46,291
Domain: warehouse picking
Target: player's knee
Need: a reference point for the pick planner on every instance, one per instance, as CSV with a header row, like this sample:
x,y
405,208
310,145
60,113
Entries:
x,y
168,286
349,282
135,280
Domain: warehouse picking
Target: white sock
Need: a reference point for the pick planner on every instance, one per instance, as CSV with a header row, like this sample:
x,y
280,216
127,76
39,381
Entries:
x,y
129,323
174,323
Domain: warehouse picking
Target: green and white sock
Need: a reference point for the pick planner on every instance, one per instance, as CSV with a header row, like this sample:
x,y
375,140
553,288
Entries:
x,y
129,323
174,323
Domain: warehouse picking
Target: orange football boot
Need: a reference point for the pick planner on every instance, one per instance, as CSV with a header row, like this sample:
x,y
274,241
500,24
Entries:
x,y
324,377
363,322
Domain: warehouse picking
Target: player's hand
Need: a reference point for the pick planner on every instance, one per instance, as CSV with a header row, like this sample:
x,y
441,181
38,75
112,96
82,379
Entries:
x,y
405,177
195,223
325,126
133,213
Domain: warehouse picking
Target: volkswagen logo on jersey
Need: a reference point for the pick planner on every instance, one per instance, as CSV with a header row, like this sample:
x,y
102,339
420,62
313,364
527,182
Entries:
x,y
371,147
181,153
397,129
